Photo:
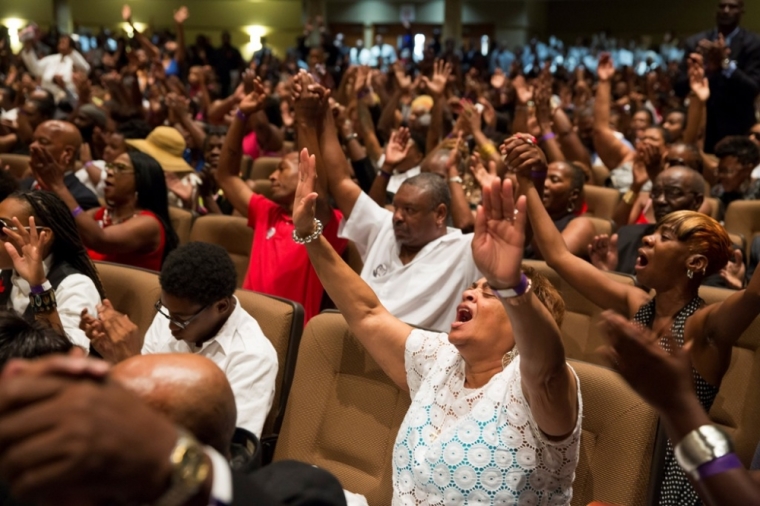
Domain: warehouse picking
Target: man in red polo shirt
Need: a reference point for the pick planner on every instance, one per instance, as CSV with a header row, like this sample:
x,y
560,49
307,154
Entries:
x,y
278,266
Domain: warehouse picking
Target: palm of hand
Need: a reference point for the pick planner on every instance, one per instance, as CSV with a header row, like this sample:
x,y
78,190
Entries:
x,y
498,80
495,250
606,71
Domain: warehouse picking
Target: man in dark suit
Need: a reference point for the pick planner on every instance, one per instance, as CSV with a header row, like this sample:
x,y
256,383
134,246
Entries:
x,y
57,143
732,60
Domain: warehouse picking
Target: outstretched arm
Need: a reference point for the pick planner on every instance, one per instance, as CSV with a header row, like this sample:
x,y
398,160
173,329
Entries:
x,y
235,190
584,277
609,148
637,356
547,382
382,334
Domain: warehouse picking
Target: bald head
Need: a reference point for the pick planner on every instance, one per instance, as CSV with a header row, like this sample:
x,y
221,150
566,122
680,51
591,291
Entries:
x,y
677,189
61,139
191,390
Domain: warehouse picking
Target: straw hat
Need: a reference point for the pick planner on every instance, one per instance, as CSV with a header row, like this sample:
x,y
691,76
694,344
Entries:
x,y
166,145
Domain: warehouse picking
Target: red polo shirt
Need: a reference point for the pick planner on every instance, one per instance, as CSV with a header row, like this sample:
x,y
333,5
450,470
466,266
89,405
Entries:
x,y
279,266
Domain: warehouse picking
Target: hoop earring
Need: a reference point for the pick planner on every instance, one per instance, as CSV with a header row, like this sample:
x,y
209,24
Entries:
x,y
508,357
689,273
570,207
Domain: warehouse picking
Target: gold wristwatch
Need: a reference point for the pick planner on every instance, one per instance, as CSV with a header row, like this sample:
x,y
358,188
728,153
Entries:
x,y
629,197
189,470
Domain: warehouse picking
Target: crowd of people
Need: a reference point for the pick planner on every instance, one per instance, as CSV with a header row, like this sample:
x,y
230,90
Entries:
x,y
444,169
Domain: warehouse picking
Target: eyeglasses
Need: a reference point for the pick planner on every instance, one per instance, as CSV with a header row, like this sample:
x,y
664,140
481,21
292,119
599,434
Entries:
x,y
6,223
119,168
177,323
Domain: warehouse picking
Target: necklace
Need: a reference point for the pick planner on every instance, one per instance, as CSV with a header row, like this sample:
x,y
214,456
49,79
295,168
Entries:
x,y
108,219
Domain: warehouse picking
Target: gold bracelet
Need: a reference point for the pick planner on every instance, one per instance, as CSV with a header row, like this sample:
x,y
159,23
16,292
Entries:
x,y
629,197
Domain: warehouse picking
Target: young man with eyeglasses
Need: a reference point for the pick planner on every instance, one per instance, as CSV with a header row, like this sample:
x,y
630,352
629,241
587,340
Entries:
x,y
198,313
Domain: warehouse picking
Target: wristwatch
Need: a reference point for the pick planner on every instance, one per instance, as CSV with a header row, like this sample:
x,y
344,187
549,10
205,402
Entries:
x,y
456,179
629,197
189,470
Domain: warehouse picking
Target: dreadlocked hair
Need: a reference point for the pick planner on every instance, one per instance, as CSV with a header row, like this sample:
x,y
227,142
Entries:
x,y
51,212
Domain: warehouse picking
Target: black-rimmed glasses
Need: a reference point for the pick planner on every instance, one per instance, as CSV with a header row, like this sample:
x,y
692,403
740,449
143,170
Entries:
x,y
178,323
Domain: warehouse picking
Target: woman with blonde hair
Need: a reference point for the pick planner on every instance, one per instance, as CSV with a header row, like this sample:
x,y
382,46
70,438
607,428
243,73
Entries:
x,y
685,248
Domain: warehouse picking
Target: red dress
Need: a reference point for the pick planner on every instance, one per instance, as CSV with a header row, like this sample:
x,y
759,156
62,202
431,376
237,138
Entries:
x,y
151,261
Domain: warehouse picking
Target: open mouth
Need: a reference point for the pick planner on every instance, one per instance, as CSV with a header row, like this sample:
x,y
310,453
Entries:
x,y
464,315
641,261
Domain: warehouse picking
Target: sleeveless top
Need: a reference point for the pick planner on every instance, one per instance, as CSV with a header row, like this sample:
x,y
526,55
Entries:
x,y
474,446
675,489
561,224
151,261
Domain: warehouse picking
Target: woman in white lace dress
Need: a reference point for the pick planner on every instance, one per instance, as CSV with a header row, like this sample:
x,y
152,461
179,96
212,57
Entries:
x,y
486,425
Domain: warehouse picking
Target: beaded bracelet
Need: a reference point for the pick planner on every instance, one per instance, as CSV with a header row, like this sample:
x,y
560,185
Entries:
x,y
314,235
43,302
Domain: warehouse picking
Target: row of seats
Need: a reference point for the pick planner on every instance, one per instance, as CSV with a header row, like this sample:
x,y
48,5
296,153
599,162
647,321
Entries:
x,y
343,412
134,292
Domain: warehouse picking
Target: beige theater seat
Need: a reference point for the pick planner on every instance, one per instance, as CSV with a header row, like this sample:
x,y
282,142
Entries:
x,y
580,330
737,406
343,412
743,218
132,291
182,222
343,415
264,166
281,320
601,201
600,173
617,443
18,165
230,232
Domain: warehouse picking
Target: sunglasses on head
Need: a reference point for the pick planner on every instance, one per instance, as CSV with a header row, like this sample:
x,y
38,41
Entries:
x,y
6,223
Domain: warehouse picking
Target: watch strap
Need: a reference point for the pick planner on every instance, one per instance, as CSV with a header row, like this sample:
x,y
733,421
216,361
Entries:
x,y
521,289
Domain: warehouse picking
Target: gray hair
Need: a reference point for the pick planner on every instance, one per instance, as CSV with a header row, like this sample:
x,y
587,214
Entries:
x,y
435,186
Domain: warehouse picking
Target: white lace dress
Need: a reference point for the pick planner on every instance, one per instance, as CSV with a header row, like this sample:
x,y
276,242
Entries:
x,y
474,446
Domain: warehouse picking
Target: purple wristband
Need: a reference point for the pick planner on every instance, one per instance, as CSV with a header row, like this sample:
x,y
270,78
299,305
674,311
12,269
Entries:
x,y
77,211
538,174
386,175
719,465
547,137
241,116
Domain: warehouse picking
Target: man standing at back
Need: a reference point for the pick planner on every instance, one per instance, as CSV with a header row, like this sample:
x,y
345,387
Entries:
x,y
732,62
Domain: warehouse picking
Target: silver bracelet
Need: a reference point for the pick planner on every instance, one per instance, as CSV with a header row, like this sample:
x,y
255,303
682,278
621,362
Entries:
x,y
700,446
314,235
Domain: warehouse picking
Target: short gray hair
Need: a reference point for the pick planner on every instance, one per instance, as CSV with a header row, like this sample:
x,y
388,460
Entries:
x,y
435,186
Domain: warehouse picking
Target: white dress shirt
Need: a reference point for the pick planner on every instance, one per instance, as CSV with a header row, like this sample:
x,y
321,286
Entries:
x,y
84,178
242,351
56,64
75,293
426,291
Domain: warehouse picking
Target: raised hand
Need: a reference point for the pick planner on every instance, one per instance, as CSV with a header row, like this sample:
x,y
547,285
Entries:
x,y
404,81
498,79
126,14
603,252
119,338
436,85
699,84
254,101
47,171
497,246
734,271
484,177
452,162
304,209
25,249
181,15
523,157
637,355
606,69
472,116
523,92
398,147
